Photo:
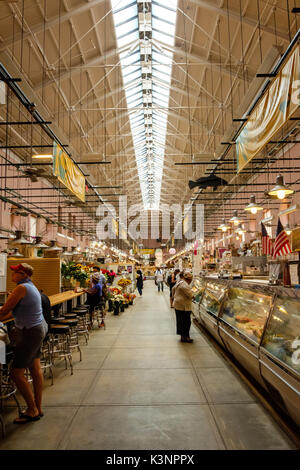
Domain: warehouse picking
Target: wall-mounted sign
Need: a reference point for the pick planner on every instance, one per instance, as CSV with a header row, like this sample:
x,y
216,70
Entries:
x,y
67,172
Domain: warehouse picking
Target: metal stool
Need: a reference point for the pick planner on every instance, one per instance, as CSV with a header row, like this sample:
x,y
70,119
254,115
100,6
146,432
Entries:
x,y
7,388
73,325
46,358
84,323
60,343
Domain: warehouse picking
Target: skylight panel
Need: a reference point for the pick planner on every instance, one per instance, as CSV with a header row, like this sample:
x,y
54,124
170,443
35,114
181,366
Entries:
x,y
126,26
127,39
147,85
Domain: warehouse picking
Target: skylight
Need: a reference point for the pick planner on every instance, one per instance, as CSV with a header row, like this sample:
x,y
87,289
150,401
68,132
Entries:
x,y
147,64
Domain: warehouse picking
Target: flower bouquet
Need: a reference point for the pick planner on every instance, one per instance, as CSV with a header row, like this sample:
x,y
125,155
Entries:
x,y
75,271
124,283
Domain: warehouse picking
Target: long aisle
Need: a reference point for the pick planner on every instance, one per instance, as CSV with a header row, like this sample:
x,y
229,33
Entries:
x,y
139,387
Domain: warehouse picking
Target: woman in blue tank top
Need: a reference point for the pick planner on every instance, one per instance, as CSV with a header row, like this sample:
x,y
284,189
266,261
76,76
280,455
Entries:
x,y
24,304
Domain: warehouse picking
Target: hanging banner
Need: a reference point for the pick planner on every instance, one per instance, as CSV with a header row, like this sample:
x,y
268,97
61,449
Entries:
x,y
67,172
278,104
115,226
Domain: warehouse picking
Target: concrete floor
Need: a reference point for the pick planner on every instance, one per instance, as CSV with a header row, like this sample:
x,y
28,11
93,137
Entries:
x,y
139,387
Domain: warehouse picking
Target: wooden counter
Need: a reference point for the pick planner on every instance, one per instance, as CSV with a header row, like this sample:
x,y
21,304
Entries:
x,y
63,297
57,299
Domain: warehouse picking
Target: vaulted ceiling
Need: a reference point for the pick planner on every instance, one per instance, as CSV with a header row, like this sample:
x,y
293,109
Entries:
x,y
138,86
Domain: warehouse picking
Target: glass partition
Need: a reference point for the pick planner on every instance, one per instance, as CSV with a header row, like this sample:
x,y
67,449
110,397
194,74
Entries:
x,y
247,311
213,297
282,337
198,288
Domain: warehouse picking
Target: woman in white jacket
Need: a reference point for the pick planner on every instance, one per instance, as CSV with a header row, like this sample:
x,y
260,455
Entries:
x,y
183,296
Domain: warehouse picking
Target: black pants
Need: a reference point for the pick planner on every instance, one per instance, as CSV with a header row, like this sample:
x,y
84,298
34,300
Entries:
x,y
183,322
140,289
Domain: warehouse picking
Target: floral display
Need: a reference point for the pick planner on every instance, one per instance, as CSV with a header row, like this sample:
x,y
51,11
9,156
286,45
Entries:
x,y
110,275
124,282
76,271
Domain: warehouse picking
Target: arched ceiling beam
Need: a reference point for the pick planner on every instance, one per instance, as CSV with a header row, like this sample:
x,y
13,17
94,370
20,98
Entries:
x,y
209,5
38,28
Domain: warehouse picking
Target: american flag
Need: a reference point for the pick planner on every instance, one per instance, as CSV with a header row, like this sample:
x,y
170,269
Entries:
x,y
267,244
282,244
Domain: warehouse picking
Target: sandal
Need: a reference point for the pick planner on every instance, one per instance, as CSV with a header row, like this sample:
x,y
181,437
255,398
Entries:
x,y
24,418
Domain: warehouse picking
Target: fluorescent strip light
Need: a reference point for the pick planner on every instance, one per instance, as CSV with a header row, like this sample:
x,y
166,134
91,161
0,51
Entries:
x,y
42,156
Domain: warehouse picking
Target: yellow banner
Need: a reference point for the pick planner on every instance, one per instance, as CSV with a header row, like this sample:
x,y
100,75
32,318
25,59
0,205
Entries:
x,y
67,172
115,226
274,109
148,251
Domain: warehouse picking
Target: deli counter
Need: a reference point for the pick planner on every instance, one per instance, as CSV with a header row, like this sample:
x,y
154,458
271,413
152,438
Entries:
x,y
260,326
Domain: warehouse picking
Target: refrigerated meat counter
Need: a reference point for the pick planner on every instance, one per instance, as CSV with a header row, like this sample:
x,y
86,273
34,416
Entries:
x,y
260,326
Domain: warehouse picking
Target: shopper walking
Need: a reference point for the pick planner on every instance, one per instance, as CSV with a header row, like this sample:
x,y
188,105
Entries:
x,y
140,282
183,295
31,328
159,279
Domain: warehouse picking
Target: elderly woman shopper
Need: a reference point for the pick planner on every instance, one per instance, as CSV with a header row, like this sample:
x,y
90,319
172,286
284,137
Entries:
x,y
31,328
94,293
172,283
183,296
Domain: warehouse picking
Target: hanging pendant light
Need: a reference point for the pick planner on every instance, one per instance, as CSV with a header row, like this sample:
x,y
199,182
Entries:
x,y
65,252
20,240
223,226
235,220
253,207
16,254
39,243
53,247
288,230
240,230
280,190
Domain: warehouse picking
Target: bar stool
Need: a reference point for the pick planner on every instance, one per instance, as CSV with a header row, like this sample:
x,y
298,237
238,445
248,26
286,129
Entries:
x,y
46,358
60,343
73,325
70,316
84,322
7,387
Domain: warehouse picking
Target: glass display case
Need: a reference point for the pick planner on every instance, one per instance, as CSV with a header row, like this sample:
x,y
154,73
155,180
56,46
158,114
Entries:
x,y
282,336
213,297
198,288
247,311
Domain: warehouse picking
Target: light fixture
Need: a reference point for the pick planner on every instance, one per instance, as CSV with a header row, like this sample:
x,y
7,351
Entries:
x,y
223,226
16,254
280,190
253,207
240,230
41,156
235,220
288,230
65,252
53,247
20,240
39,243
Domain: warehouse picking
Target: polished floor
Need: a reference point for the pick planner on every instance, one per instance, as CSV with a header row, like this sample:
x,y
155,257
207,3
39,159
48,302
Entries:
x,y
139,387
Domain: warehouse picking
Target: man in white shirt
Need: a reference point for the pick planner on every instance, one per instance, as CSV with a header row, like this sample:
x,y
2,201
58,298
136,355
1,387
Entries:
x,y
159,279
